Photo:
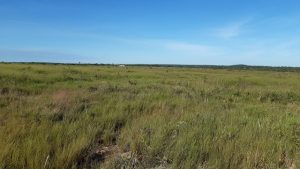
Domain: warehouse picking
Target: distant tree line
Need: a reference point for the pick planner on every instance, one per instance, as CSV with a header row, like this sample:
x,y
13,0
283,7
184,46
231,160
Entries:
x,y
229,67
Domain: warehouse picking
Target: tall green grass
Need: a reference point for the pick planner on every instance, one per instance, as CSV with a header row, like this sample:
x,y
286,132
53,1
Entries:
x,y
53,116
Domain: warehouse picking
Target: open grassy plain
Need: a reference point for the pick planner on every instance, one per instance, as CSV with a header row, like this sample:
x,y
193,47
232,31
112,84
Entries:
x,y
79,116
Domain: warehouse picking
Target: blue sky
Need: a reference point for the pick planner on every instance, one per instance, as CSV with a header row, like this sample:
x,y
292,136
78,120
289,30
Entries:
x,y
257,32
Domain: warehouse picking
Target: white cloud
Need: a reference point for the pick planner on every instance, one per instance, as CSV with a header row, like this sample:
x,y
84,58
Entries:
x,y
173,46
192,53
31,55
231,30
188,47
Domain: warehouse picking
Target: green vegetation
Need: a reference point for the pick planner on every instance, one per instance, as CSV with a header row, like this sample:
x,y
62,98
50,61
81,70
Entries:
x,y
81,116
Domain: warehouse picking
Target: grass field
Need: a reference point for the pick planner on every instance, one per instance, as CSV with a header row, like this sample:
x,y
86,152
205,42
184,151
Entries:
x,y
75,116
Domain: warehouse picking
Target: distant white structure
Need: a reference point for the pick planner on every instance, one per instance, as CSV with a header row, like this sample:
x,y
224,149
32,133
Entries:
x,y
122,66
